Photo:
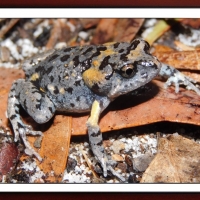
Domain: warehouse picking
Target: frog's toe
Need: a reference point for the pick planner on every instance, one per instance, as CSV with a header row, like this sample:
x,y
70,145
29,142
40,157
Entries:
x,y
115,173
107,165
28,149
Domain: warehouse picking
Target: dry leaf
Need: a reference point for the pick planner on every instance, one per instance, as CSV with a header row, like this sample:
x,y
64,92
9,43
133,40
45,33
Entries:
x,y
180,60
154,105
120,30
55,147
104,31
126,29
177,161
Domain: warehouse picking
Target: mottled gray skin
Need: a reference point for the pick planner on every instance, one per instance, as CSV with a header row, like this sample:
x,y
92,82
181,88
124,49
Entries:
x,y
78,79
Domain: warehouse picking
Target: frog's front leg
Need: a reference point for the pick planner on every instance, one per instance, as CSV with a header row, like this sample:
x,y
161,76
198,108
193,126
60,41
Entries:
x,y
36,103
96,140
177,78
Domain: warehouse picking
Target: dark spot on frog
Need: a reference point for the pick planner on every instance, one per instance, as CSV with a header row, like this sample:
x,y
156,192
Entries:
x,y
25,105
64,58
134,44
72,105
121,50
104,63
95,134
20,125
51,110
88,50
95,54
78,98
116,45
49,70
101,48
38,106
95,88
51,78
13,117
69,90
85,64
123,57
53,57
76,61
38,68
68,49
146,47
77,83
56,91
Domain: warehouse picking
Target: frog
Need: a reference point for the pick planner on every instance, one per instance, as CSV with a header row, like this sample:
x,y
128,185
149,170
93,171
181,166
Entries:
x,y
84,79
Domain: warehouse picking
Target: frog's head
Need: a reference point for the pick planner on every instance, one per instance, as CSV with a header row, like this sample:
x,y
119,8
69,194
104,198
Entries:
x,y
135,68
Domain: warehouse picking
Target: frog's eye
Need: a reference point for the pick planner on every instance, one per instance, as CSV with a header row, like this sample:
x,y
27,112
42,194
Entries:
x,y
128,71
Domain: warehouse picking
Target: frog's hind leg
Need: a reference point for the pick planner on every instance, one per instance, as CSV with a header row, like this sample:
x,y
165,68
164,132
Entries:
x,y
96,140
36,103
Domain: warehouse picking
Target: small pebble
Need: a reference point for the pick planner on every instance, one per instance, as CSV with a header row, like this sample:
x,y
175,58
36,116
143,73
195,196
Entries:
x,y
117,146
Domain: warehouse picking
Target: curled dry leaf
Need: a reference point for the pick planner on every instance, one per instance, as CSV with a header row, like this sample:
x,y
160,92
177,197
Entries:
x,y
181,60
126,29
104,31
120,30
177,161
55,147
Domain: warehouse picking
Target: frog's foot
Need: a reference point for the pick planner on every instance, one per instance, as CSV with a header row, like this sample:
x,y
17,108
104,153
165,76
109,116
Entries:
x,y
177,78
27,130
95,138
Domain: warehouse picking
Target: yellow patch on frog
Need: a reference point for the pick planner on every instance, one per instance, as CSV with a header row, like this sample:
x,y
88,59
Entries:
x,y
94,115
92,76
109,43
108,52
99,59
42,89
95,63
136,52
62,91
34,77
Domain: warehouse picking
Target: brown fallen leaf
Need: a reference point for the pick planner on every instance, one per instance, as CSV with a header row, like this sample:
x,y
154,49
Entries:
x,y
55,147
154,105
104,31
120,30
7,77
126,29
180,59
177,161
